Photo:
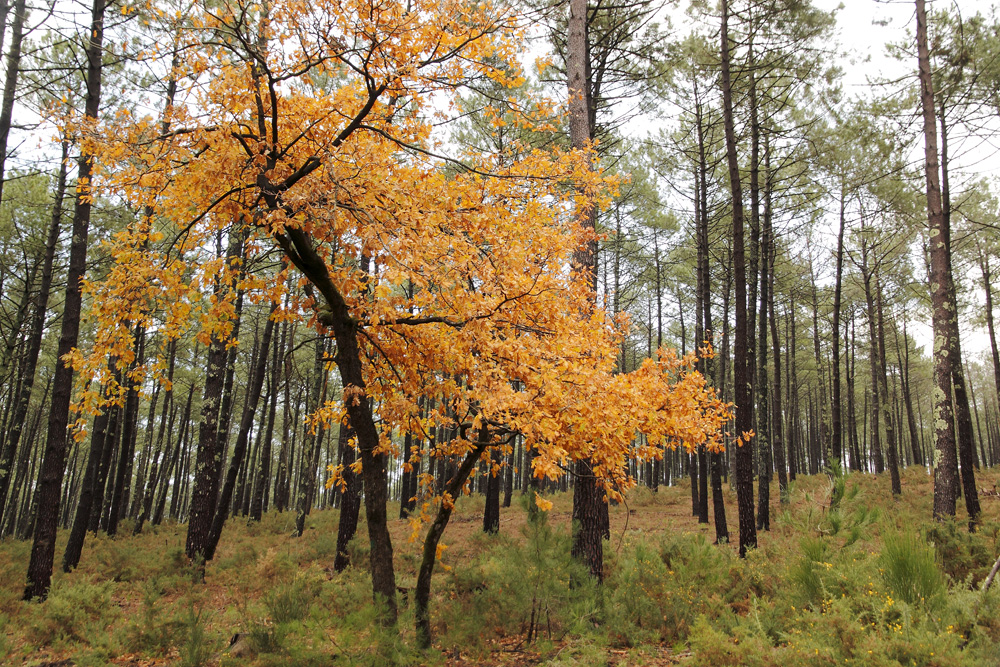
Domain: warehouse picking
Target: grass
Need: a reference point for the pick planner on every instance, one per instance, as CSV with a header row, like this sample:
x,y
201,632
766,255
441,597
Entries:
x,y
871,582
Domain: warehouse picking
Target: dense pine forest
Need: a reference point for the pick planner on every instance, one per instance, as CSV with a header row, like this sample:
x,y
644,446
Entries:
x,y
453,332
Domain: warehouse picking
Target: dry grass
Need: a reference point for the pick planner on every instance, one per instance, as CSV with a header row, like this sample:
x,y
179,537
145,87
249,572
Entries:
x,y
254,561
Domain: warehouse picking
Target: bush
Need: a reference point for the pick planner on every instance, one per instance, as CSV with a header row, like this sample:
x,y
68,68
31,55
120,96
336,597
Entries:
x,y
283,607
908,569
155,631
195,649
961,554
78,611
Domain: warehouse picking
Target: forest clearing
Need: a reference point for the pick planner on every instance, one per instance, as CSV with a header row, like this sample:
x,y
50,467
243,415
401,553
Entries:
x,y
871,582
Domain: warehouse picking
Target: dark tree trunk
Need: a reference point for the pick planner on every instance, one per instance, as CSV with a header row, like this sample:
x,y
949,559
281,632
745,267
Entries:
x,y
282,480
823,453
904,375
702,462
508,482
350,502
406,490
857,460
34,341
298,247
491,515
963,416
695,487
10,81
51,472
309,458
226,404
875,366
984,266
794,463
883,388
590,509
704,285
123,476
837,419
258,504
945,456
243,436
84,506
422,592
777,430
741,381
764,446
588,498
208,460
175,461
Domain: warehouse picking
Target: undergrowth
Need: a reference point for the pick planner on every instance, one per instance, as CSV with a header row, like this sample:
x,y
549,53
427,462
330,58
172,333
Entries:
x,y
847,576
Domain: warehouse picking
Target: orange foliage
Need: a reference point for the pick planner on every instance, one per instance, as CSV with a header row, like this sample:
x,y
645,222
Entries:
x,y
320,118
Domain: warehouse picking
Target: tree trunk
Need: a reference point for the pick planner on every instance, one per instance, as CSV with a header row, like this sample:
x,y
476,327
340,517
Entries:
x,y
823,453
34,341
10,81
491,515
208,460
51,472
588,494
883,388
123,476
741,381
945,456
984,266
763,412
350,502
299,248
422,592
85,504
963,415
258,504
838,438
243,436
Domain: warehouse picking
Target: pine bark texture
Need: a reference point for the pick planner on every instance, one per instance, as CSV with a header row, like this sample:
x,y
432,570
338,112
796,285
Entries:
x,y
743,454
53,464
945,455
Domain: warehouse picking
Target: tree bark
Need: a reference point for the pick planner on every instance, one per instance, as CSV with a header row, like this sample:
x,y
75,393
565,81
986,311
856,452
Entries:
x,y
350,502
10,81
491,515
309,458
208,460
588,494
84,505
39,575
123,472
945,455
34,341
764,445
838,438
258,504
963,415
243,436
883,388
422,592
984,267
741,381
300,250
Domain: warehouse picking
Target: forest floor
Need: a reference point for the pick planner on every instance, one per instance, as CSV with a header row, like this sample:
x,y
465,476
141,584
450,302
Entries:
x,y
873,581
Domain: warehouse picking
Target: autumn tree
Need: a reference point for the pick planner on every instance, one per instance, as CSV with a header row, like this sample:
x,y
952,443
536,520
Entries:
x,y
453,291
